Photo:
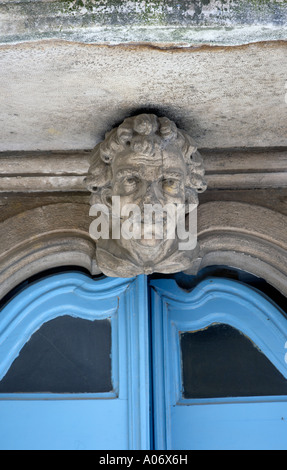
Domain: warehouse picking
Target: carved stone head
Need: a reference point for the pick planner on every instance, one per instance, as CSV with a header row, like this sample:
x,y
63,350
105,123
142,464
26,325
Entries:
x,y
146,161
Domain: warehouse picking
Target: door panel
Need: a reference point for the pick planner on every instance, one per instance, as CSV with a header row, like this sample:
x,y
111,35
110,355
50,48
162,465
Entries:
x,y
67,327
218,410
232,426
63,424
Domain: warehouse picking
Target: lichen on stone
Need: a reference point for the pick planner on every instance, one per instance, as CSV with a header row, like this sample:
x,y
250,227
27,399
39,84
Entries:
x,y
219,21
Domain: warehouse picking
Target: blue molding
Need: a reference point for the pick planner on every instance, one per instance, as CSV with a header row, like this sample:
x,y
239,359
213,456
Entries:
x,y
212,301
50,298
138,363
232,303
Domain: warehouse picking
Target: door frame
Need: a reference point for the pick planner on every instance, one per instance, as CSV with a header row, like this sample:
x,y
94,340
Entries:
x,y
266,327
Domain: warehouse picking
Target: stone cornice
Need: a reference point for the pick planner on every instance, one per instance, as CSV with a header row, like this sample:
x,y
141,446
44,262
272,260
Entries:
x,y
220,22
66,171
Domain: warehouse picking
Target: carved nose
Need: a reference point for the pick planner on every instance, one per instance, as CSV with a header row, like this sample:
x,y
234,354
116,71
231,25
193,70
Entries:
x,y
151,195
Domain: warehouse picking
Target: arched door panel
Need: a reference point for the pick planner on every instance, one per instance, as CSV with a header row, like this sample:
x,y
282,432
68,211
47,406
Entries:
x,y
69,366
224,378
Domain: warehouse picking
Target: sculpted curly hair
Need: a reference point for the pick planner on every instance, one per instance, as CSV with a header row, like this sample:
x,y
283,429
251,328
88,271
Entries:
x,y
144,134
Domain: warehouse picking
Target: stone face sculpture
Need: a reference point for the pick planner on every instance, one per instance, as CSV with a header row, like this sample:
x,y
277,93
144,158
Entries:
x,y
145,162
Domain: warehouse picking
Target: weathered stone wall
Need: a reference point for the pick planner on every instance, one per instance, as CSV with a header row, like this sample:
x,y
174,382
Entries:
x,y
63,96
223,22
71,70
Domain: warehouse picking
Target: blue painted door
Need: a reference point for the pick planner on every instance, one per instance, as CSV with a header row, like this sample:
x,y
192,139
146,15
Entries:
x,y
220,376
70,374
79,359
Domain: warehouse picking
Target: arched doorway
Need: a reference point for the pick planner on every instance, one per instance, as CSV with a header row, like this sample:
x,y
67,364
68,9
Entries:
x,y
142,364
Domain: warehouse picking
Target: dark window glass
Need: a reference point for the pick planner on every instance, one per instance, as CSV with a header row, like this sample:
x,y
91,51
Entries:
x,y
220,361
66,355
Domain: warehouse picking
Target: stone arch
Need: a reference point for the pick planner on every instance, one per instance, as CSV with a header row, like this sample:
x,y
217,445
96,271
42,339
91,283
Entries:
x,y
244,236
239,235
46,237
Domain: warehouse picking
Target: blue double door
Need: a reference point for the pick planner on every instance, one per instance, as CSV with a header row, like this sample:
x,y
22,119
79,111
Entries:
x,y
142,364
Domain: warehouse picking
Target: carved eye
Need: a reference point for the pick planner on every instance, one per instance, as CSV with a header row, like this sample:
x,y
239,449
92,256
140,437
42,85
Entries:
x,y
130,184
171,185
